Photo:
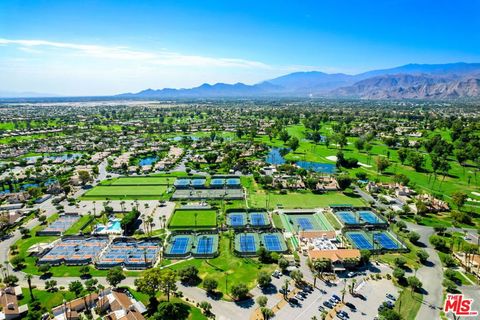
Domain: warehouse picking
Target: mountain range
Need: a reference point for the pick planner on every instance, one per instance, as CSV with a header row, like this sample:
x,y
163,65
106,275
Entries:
x,y
411,81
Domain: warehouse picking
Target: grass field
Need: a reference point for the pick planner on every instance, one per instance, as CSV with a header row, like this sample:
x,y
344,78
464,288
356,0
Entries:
x,y
301,199
227,268
142,192
76,227
139,181
47,299
186,218
408,304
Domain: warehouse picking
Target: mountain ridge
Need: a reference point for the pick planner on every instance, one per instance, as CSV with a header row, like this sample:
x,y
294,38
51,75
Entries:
x,y
424,81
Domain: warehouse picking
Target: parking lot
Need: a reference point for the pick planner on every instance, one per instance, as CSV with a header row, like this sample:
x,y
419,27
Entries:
x,y
373,291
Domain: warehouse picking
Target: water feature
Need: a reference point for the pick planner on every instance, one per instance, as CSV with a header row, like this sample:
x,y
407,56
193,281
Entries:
x,y
317,166
275,157
148,161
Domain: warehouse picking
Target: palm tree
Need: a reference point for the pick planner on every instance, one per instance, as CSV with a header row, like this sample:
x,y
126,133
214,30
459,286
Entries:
x,y
29,277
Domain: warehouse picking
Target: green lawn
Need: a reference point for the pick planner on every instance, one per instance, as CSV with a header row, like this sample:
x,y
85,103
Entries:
x,y
187,218
76,227
408,304
47,299
139,181
143,192
239,270
304,199
460,178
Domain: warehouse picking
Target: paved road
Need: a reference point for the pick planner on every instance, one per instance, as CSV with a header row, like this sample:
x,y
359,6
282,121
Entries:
x,y
431,276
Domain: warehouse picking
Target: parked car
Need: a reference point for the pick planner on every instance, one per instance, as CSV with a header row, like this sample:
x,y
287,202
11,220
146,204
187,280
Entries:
x,y
321,308
391,297
299,297
351,274
293,301
327,304
334,296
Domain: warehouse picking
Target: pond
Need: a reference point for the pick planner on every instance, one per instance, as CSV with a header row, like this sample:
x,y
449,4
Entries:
x,y
274,157
317,166
148,161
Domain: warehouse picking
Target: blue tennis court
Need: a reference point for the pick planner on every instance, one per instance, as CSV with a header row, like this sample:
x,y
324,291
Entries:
x,y
247,243
305,224
360,241
179,245
205,245
385,241
236,219
257,219
233,182
369,217
272,242
198,182
347,217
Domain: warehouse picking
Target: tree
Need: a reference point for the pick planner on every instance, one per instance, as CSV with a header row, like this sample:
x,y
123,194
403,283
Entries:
x,y
44,269
413,236
414,283
398,273
459,198
401,225
422,256
400,261
297,276
416,160
42,219
51,285
262,301
294,143
76,287
84,176
188,275
402,155
155,280
449,285
267,313
210,285
365,256
322,265
85,271
382,164
239,291
360,144
115,276
283,263
344,181
18,262
284,136
205,306
10,280
171,311
263,279
91,284
211,157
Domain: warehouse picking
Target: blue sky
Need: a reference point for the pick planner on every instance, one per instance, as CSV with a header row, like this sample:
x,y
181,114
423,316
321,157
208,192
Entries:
x,y
106,47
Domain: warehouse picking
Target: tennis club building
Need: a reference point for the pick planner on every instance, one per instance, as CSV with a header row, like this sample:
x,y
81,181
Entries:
x,y
341,259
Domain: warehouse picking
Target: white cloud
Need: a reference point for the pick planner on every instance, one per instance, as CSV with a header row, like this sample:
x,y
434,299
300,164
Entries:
x,y
164,57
